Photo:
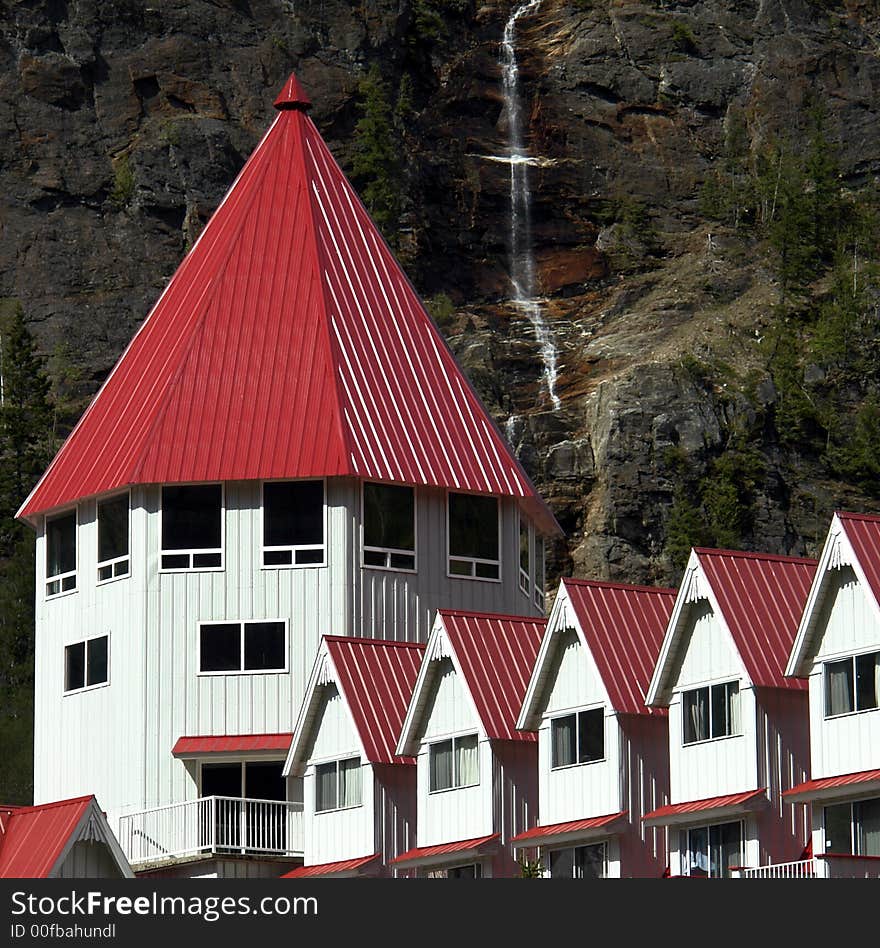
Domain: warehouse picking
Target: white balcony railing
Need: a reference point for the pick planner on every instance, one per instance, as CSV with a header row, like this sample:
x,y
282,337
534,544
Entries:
x,y
213,825
827,866
802,869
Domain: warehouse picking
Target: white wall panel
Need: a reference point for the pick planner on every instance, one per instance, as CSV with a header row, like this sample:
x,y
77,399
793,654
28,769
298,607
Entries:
x,y
462,813
710,652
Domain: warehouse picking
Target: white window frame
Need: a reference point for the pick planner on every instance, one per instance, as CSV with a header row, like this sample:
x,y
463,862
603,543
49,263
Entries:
x,y
59,578
854,825
388,551
525,575
539,581
192,552
710,686
851,657
455,776
575,712
300,546
86,687
687,830
116,561
473,561
561,849
242,671
337,761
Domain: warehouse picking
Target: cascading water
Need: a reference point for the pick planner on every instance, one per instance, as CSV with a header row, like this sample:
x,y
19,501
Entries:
x,y
522,258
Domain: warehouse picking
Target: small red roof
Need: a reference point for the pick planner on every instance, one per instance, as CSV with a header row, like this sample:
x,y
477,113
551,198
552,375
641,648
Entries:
x,y
624,627
826,785
762,598
496,654
341,868
288,344
33,838
731,801
424,854
571,828
293,96
376,677
230,744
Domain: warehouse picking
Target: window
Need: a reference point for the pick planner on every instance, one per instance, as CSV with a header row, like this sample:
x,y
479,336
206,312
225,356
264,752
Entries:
x,y
230,647
539,572
454,763
524,574
709,712
472,870
853,828
85,664
338,784
578,738
389,526
293,523
113,538
473,536
61,554
192,527
580,862
713,850
852,684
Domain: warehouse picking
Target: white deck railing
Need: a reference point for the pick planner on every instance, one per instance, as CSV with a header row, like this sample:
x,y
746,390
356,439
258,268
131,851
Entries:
x,y
828,866
213,825
802,869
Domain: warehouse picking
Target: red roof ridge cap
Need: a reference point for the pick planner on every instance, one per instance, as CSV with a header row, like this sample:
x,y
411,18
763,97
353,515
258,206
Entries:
x,y
363,640
195,737
293,96
465,613
607,584
752,555
851,515
51,806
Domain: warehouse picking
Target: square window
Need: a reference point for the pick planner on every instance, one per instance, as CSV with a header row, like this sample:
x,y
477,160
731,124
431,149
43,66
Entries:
x,y
389,526
474,544
710,712
453,763
192,527
577,738
293,523
338,784
86,664
852,684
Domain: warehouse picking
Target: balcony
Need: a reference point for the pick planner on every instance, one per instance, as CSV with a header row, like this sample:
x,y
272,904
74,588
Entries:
x,y
212,826
826,866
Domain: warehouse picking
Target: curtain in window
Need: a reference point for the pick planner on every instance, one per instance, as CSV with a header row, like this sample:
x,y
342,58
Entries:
x,y
440,761
468,766
732,695
839,682
698,852
563,740
696,715
325,787
868,822
350,782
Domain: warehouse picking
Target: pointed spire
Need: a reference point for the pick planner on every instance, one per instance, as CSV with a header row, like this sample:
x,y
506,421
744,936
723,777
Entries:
x,y
293,96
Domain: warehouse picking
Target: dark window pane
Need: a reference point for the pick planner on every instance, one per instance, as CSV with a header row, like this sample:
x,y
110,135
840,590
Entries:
x,y
205,560
471,871
176,561
839,687
221,780
486,570
263,781
220,647
112,528
867,680
304,557
473,526
97,660
440,765
866,814
401,561
457,568
589,862
695,715
591,735
698,852
263,645
75,666
563,741
325,787
524,547
389,516
277,558
838,828
61,545
724,848
724,698
293,513
191,517
562,864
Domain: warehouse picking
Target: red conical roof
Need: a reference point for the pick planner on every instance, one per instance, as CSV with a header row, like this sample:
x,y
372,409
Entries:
x,y
293,96
289,343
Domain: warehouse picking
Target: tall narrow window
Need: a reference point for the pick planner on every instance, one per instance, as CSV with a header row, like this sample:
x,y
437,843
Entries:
x,y
113,541
852,684
709,712
389,526
235,647
539,572
454,763
192,527
578,738
338,784
293,523
474,536
524,573
61,554
86,664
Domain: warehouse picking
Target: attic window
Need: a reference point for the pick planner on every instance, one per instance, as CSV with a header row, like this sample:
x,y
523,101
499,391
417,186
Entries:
x,y
578,738
389,526
710,712
474,541
338,784
852,684
61,554
113,559
86,664
293,523
192,527
454,763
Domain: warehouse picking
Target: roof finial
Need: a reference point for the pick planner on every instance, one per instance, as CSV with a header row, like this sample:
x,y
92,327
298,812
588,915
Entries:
x,y
293,96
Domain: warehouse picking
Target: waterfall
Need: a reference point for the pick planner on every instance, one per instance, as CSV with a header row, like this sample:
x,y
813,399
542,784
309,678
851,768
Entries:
x,y
522,258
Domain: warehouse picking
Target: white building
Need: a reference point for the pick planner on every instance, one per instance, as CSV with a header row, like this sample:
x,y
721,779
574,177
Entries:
x,y
738,728
359,795
838,649
602,753
286,448
477,781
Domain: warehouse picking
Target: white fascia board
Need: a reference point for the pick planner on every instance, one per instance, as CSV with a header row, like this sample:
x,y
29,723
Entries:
x,y
295,764
659,694
528,719
93,825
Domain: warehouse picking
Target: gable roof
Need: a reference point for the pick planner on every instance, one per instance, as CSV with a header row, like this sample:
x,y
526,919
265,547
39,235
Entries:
x,y
622,628
759,597
289,343
494,656
35,840
375,678
853,540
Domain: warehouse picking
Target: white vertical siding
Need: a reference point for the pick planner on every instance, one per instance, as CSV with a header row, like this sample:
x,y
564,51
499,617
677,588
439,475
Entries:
x,y
449,709
462,813
338,834
575,679
89,860
710,654
848,621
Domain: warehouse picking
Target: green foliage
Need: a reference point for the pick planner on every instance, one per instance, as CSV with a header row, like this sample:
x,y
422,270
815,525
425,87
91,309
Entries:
x,y
429,19
531,868
442,310
685,527
683,37
728,490
123,183
857,457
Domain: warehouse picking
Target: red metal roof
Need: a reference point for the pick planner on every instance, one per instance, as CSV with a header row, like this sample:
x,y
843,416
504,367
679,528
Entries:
x,y
34,837
762,598
822,784
624,627
728,801
863,533
423,853
377,678
343,867
572,827
289,343
231,744
496,654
